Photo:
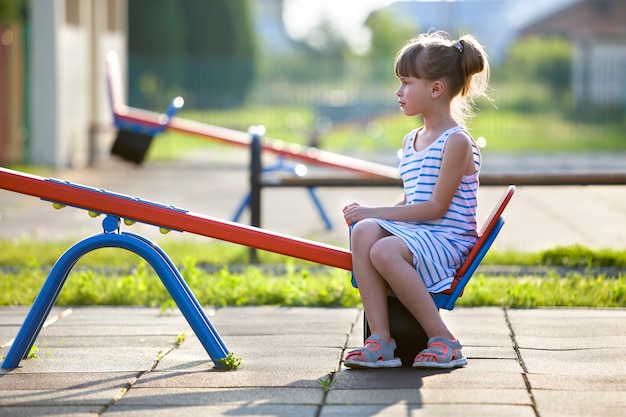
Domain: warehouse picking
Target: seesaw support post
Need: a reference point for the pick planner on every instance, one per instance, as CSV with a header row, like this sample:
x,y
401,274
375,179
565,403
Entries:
x,y
155,256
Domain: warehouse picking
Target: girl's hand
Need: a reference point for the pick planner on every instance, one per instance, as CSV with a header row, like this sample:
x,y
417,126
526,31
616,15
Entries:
x,y
353,213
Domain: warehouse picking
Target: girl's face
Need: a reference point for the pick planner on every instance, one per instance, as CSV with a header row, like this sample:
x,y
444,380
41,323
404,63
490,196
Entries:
x,y
414,95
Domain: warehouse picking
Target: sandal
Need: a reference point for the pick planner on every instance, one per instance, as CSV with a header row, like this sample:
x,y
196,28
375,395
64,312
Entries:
x,y
450,356
377,353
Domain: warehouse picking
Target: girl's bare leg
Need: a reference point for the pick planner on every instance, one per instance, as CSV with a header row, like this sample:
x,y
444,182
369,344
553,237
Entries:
x,y
372,286
392,259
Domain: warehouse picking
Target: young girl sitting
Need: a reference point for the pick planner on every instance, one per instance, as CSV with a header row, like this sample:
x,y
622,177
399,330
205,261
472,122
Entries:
x,y
416,246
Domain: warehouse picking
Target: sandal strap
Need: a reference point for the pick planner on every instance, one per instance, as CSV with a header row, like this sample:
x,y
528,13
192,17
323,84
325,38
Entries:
x,y
451,350
376,348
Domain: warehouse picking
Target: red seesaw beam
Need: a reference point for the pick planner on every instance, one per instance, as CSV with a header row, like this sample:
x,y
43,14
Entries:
x,y
233,137
170,217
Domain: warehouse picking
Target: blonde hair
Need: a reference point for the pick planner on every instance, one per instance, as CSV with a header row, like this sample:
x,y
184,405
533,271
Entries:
x,y
462,65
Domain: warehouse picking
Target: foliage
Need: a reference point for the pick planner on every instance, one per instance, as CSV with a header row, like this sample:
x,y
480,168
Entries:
x,y
327,383
388,36
128,280
504,130
547,60
579,256
202,50
554,291
10,10
230,362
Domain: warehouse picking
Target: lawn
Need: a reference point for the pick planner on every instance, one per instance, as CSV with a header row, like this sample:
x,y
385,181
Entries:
x,y
504,130
222,276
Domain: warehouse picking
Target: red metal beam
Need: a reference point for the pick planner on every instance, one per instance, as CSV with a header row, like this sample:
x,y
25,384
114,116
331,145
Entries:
x,y
234,137
170,217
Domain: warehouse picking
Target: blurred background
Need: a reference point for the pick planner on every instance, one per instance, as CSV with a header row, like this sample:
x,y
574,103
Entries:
x,y
313,72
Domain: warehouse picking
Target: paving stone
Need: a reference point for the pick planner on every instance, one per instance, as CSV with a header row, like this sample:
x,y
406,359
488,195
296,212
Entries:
x,y
213,378
51,410
583,403
166,397
258,410
454,395
434,410
287,351
62,381
576,383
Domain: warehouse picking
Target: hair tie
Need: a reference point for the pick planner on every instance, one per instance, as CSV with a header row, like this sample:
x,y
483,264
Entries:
x,y
458,45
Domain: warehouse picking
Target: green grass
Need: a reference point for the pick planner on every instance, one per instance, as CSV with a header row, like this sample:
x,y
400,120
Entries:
x,y
505,131
218,274
575,290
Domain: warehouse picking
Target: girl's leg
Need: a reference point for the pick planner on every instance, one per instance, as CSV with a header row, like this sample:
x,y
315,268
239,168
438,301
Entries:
x,y
392,259
372,286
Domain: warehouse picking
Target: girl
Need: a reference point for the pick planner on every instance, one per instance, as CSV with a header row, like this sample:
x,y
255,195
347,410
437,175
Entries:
x,y
416,246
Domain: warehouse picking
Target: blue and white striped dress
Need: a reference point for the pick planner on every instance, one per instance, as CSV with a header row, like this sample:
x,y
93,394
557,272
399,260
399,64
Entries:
x,y
439,246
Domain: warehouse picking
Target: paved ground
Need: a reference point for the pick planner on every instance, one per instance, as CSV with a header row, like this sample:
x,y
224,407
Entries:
x,y
104,361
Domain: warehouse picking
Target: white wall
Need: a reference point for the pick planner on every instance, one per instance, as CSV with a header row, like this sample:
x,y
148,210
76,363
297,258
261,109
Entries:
x,y
599,74
70,40
45,129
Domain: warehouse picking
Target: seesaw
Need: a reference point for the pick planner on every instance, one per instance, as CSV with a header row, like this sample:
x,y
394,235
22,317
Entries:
x,y
118,207
142,124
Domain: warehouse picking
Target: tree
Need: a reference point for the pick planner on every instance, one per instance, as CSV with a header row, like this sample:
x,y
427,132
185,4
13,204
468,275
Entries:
x,y
155,39
547,60
220,49
10,10
201,49
388,36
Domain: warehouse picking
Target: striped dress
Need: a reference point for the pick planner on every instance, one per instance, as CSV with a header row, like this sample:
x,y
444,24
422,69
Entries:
x,y
439,246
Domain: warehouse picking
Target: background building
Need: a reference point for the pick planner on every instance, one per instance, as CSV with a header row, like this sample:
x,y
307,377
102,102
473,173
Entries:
x,y
597,29
70,40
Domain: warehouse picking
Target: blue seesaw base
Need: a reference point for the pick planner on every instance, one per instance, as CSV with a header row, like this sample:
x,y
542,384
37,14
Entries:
x,y
155,256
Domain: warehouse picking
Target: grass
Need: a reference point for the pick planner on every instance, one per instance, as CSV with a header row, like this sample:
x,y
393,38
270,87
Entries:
x,y
541,126
219,275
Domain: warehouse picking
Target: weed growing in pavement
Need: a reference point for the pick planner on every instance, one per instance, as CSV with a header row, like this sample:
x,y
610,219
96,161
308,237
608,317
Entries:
x,y
326,382
230,362
180,339
32,353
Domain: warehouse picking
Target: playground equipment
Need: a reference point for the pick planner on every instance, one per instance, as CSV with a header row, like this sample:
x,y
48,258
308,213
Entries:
x,y
139,120
132,209
281,166
117,207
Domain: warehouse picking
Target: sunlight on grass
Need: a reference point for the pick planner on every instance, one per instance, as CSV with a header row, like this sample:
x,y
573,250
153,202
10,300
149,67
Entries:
x,y
505,131
219,274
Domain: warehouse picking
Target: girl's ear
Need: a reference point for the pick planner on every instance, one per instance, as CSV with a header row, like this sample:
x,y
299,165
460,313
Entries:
x,y
437,89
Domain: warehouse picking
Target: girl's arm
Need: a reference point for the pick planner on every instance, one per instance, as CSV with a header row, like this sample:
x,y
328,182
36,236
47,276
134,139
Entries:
x,y
457,161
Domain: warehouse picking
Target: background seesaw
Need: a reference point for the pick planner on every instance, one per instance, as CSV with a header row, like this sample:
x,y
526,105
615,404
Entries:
x,y
138,126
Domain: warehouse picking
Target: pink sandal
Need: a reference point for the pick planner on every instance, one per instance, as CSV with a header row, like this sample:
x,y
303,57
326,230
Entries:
x,y
377,353
447,356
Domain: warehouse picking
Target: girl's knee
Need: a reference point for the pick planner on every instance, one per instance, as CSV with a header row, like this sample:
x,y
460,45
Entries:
x,y
388,251
365,231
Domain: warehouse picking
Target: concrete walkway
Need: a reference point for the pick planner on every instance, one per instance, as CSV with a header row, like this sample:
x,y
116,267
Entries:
x,y
124,362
